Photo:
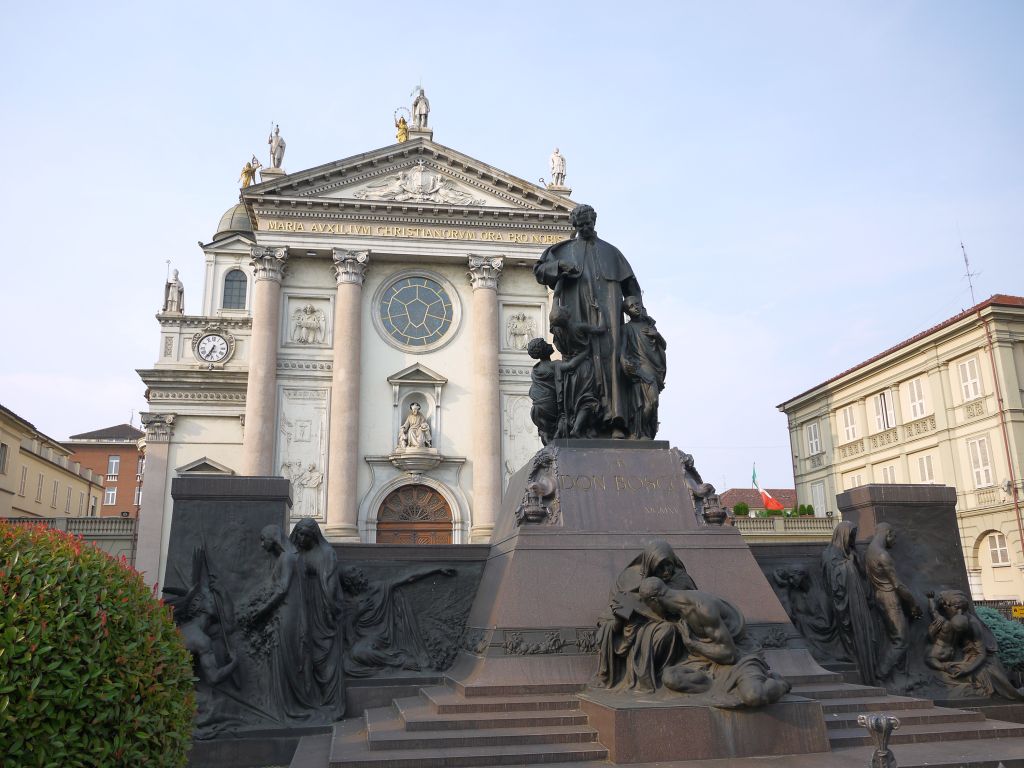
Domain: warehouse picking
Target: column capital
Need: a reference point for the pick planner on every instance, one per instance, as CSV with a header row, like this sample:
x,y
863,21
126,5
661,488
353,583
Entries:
x,y
269,263
158,426
350,266
484,271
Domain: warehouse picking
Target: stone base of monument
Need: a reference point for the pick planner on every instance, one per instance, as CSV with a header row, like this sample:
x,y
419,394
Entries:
x,y
648,729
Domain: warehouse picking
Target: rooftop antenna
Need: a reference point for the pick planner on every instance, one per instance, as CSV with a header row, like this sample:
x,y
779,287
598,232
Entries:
x,y
968,274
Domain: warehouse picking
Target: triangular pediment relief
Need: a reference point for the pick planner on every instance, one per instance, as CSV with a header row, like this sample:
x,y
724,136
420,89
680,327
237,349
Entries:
x,y
417,374
204,466
417,172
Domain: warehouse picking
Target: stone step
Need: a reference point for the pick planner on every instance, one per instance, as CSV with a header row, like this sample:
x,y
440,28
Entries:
x,y
837,691
916,734
419,716
918,716
872,704
490,691
349,749
823,677
445,700
312,752
386,730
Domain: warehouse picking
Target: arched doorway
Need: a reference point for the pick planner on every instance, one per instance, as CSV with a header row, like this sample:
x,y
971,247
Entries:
x,y
414,514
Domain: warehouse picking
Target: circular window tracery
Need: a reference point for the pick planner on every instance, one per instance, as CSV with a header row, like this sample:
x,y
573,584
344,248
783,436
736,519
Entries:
x,y
416,311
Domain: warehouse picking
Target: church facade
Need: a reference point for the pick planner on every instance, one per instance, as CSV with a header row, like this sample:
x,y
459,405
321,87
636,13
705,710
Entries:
x,y
362,331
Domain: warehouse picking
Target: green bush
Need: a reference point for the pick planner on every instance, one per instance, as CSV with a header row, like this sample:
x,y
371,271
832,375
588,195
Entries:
x,y
741,510
1009,634
93,671
806,509
774,512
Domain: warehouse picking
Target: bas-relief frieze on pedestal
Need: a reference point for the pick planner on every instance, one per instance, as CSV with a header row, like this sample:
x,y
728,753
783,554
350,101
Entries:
x,y
302,449
519,437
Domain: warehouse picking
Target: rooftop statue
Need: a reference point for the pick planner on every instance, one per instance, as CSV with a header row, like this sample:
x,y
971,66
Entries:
x,y
174,294
277,145
420,110
248,177
557,163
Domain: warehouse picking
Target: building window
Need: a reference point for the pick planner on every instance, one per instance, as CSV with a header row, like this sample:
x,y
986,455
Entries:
x,y
915,395
56,490
92,506
813,438
3,458
39,488
141,468
849,423
818,498
981,461
970,384
21,484
113,467
884,417
997,549
889,474
924,469
138,495
109,497
67,502
81,503
853,481
234,290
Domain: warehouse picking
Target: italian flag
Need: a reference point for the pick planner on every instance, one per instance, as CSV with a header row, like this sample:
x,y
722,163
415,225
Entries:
x,y
770,502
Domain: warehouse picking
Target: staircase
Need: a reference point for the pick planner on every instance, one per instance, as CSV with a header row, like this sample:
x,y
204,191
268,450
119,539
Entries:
x,y
448,728
920,720
457,727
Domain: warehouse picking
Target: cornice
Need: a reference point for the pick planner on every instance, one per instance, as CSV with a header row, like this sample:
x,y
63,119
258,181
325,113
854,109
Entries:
x,y
438,214
201,321
181,378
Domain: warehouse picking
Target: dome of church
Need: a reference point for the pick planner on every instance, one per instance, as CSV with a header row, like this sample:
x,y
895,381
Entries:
x,y
234,221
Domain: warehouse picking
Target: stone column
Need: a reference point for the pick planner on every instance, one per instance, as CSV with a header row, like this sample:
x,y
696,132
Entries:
x,y
154,526
260,396
483,274
343,448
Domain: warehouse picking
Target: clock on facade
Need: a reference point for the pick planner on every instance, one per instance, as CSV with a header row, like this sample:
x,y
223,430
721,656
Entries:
x,y
416,312
213,346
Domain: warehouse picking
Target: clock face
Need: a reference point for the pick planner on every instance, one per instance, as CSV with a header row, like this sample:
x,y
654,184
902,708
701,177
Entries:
x,y
212,348
416,312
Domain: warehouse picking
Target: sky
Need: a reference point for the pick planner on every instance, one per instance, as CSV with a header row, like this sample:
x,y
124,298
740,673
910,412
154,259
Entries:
x,y
791,181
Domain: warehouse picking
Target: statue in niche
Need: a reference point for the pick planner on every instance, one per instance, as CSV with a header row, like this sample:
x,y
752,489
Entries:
x,y
381,628
963,651
308,325
414,434
548,390
841,573
557,164
310,481
812,617
174,295
719,661
277,145
420,110
643,360
520,328
893,600
635,642
321,630
589,279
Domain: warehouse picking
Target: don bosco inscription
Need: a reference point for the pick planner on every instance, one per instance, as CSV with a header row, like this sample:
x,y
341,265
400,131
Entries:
x,y
415,232
620,483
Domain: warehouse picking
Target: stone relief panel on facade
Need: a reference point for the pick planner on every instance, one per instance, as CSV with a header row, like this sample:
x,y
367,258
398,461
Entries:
x,y
418,185
309,325
519,436
520,323
302,448
519,329
308,321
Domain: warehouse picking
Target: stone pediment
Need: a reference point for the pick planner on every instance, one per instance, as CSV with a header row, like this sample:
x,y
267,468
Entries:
x,y
417,172
204,466
417,373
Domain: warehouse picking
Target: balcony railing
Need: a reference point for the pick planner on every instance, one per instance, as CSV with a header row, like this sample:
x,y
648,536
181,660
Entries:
x,y
803,525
